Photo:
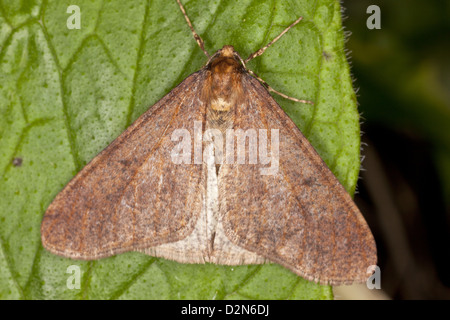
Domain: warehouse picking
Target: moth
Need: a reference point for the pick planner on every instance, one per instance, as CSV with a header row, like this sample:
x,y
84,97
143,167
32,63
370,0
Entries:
x,y
193,180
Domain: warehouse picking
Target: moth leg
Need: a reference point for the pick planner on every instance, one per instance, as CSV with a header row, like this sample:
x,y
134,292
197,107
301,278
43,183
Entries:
x,y
270,89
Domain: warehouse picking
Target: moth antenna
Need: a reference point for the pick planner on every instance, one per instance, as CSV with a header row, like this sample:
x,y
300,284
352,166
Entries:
x,y
196,36
270,89
261,51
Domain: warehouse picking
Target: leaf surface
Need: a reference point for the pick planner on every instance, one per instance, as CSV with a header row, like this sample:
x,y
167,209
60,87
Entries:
x,y
66,94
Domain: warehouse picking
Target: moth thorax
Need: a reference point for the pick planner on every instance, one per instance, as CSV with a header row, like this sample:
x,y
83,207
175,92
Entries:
x,y
225,82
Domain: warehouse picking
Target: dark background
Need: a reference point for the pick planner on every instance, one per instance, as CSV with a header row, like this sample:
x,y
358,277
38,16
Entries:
x,y
402,74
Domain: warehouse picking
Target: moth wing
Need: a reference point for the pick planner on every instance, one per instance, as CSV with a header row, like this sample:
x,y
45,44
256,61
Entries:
x,y
132,196
300,216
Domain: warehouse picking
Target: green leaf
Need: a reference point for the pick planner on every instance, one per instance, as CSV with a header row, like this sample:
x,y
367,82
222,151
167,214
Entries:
x,y
66,94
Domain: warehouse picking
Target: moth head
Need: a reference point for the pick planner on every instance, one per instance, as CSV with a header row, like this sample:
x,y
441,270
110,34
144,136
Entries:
x,y
228,51
225,60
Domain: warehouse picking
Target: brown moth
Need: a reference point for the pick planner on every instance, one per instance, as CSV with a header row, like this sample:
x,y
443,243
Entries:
x,y
192,202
